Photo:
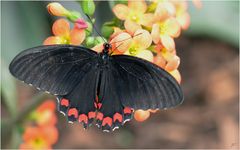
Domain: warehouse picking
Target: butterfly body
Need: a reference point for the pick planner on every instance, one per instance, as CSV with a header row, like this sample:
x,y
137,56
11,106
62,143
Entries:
x,y
96,86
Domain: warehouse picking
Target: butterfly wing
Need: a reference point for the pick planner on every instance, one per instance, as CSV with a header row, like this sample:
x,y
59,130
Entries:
x,y
55,68
139,84
78,105
143,85
111,109
128,82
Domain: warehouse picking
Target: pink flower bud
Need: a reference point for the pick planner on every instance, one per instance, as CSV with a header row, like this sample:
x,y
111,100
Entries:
x,y
81,24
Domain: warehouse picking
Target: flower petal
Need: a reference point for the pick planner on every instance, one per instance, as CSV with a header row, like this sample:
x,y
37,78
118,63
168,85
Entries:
x,y
77,36
50,130
160,61
181,6
147,20
47,105
98,48
173,63
30,133
141,115
176,74
131,26
122,42
121,11
145,54
61,27
155,33
142,38
81,24
184,20
164,10
116,31
172,27
139,6
53,40
167,42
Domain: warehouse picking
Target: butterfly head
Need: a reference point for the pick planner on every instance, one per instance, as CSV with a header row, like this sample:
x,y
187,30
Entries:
x,y
106,46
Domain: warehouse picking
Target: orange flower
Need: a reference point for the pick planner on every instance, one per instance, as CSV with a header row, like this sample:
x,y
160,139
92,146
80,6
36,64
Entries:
x,y
98,48
45,114
135,45
39,137
167,60
134,15
165,27
163,10
172,60
63,34
57,9
159,60
141,115
164,32
182,15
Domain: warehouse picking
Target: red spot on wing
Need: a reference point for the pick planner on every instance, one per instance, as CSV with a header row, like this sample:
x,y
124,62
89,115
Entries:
x,y
83,118
99,105
64,102
108,121
99,116
117,116
73,111
127,110
91,114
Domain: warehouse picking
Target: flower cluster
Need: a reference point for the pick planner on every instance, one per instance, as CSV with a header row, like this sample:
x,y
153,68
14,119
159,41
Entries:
x,y
141,29
40,131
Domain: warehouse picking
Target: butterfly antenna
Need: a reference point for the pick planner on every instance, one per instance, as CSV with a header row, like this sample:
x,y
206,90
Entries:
x,y
116,48
126,38
123,41
89,18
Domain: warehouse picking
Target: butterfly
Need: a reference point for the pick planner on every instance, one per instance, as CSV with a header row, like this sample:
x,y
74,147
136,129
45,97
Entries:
x,y
99,87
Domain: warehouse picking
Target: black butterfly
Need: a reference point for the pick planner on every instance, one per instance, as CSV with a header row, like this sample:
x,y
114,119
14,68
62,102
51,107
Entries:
x,y
96,86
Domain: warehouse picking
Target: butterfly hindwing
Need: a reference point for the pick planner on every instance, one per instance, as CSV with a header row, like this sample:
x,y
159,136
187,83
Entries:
x,y
111,106
82,98
143,85
55,68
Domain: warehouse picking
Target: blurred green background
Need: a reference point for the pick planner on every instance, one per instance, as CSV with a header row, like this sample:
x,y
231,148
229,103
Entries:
x,y
208,49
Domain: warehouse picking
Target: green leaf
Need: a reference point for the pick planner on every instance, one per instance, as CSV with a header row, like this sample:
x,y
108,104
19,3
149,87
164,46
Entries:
x,y
106,30
99,40
73,16
90,41
16,138
89,29
8,89
88,7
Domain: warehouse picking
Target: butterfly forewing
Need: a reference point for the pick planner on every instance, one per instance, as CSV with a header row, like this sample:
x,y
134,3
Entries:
x,y
56,69
143,85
